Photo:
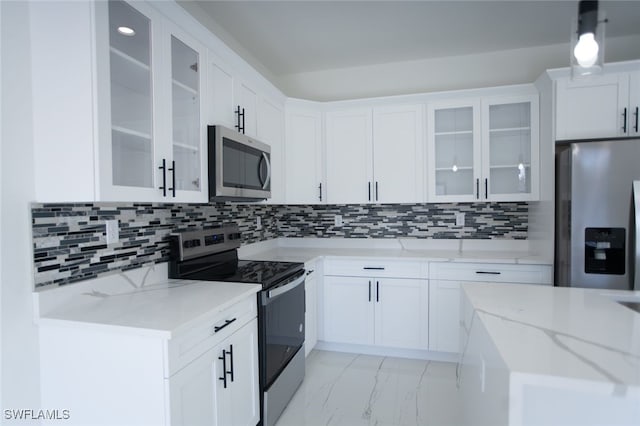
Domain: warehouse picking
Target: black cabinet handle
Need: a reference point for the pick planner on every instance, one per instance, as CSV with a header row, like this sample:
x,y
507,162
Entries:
x,y
377,291
376,190
226,323
369,188
624,121
164,177
243,123
488,272
477,189
173,178
224,368
373,268
320,191
240,113
636,126
486,188
369,291
230,372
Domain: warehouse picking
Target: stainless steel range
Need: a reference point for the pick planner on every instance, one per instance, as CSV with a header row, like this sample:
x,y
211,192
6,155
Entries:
x,y
212,255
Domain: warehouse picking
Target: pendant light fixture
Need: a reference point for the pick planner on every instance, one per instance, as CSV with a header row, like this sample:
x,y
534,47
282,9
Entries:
x,y
587,40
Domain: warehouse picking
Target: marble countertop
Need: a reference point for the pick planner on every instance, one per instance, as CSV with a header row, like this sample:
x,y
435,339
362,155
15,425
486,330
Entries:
x,y
567,333
162,309
306,249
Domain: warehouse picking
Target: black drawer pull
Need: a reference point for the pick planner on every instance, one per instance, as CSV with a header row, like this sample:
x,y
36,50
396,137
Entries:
x,y
226,323
374,268
488,272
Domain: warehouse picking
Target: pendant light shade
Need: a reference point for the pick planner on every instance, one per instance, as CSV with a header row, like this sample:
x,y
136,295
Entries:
x,y
587,40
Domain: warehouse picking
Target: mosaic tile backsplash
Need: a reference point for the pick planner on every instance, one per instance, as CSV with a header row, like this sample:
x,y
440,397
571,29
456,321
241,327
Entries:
x,y
70,241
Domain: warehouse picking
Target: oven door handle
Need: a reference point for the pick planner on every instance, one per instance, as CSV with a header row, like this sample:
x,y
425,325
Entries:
x,y
285,288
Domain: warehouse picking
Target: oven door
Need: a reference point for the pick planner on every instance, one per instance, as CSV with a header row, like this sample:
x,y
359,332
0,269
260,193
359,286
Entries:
x,y
282,310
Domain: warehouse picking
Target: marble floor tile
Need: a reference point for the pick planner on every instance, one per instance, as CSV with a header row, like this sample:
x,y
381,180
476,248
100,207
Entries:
x,y
344,389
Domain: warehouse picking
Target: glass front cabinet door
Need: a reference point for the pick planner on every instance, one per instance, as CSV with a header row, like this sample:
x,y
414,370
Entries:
x,y
510,148
454,151
151,137
484,149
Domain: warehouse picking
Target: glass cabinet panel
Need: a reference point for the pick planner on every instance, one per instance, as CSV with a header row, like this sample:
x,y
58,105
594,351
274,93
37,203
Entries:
x,y
453,139
131,96
185,78
510,148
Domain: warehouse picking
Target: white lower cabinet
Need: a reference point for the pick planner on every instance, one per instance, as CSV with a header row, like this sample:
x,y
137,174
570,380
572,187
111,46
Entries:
x,y
220,387
445,281
112,375
391,312
444,315
311,307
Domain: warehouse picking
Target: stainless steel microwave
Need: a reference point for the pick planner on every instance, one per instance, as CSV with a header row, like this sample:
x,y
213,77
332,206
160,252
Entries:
x,y
239,166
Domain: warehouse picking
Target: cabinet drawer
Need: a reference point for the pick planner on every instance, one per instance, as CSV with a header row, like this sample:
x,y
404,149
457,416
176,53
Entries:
x,y
203,336
507,273
376,268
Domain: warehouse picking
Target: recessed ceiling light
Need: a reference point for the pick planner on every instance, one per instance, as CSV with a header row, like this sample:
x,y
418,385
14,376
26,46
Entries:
x,y
128,31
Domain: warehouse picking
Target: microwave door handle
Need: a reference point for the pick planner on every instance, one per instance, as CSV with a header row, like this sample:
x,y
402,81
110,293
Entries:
x,y
268,178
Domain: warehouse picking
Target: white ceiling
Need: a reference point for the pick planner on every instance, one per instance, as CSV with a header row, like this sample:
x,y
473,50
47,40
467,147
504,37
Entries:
x,y
289,37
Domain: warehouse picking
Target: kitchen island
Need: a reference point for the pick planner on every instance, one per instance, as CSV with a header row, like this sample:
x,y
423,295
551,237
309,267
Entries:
x,y
537,355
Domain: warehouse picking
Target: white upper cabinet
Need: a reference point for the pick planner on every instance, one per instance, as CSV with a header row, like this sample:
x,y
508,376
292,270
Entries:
x,y
454,148
188,131
151,137
234,103
220,100
601,106
247,100
271,131
349,157
398,145
483,149
375,155
510,148
303,156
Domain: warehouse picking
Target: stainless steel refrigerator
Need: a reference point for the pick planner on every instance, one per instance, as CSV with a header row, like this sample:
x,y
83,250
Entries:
x,y
597,214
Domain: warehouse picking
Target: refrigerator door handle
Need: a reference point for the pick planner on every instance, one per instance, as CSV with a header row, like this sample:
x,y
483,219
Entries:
x,y
635,237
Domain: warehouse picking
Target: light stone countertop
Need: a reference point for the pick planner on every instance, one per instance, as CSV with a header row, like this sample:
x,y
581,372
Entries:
x,y
469,251
131,302
570,333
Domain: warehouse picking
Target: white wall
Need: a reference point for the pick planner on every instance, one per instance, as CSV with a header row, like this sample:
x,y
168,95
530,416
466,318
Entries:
x,y
20,361
448,73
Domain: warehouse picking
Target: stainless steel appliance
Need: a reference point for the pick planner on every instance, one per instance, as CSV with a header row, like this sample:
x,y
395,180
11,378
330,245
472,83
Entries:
x,y
239,166
212,255
597,208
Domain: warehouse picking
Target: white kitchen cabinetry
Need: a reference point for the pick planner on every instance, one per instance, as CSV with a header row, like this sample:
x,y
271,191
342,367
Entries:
x,y
600,106
444,294
247,100
364,306
311,307
484,149
220,387
303,156
151,136
221,86
454,150
234,102
113,375
398,145
510,148
271,131
349,157
375,155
